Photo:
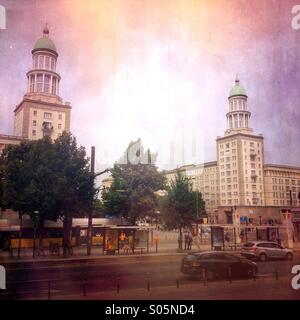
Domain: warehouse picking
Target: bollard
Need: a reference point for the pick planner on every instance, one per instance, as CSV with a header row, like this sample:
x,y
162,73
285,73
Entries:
x,y
148,283
118,284
204,276
49,290
177,282
229,274
276,273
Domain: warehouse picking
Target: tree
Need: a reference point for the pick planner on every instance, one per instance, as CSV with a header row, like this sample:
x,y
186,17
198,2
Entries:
x,y
181,205
47,181
75,183
98,209
29,182
132,193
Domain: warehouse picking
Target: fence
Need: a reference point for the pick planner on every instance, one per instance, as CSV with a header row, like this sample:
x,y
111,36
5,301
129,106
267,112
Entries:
x,y
47,289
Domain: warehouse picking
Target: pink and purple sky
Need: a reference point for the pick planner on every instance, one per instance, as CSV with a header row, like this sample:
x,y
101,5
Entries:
x,y
161,70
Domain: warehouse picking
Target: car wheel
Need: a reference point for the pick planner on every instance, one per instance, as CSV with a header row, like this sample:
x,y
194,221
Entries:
x,y
210,275
289,256
263,257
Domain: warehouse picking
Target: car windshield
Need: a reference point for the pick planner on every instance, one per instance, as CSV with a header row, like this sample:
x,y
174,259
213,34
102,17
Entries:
x,y
249,244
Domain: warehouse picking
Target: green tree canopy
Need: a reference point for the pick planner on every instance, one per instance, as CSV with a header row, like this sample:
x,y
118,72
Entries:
x,y
47,180
181,205
132,194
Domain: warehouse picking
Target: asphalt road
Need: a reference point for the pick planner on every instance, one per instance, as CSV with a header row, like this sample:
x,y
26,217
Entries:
x,y
100,279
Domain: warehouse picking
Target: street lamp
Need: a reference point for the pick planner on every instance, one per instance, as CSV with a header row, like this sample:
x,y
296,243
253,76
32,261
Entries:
x,y
90,217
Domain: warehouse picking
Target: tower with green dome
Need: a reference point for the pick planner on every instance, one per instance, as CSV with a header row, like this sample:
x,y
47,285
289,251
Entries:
x,y
42,111
43,80
240,155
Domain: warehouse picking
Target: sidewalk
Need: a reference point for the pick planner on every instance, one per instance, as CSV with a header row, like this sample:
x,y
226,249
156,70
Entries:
x,y
80,254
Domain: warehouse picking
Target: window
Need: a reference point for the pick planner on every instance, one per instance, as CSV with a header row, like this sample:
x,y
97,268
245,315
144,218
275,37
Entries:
x,y
47,125
240,121
47,115
235,121
47,84
54,86
52,64
60,117
39,83
59,126
35,62
34,132
34,123
47,62
35,113
41,62
31,87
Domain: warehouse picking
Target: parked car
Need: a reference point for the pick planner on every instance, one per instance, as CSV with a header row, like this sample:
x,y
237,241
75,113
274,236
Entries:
x,y
217,265
263,250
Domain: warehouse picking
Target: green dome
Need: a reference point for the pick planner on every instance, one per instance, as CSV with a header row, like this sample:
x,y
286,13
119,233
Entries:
x,y
45,43
237,89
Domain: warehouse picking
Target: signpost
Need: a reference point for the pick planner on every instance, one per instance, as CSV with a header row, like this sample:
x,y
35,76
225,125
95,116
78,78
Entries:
x,y
90,220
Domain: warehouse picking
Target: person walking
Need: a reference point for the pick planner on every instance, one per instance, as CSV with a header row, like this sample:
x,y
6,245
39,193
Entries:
x,y
186,239
190,242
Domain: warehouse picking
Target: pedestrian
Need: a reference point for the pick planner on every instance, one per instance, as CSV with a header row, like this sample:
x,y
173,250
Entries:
x,y
186,239
190,242
180,241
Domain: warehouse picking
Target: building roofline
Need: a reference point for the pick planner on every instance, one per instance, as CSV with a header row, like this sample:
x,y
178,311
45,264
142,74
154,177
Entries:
x,y
260,136
280,166
11,137
192,166
66,106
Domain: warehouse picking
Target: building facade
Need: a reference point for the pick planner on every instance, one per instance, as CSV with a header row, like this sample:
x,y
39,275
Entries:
x,y
42,111
240,180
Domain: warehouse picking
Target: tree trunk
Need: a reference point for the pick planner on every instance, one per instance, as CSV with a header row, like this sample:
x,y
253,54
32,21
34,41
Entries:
x,y
180,239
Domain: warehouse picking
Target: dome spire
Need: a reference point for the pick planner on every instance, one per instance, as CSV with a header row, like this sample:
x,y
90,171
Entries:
x,y
237,80
46,31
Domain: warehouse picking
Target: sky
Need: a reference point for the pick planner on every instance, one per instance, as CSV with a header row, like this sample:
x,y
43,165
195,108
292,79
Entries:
x,y
161,70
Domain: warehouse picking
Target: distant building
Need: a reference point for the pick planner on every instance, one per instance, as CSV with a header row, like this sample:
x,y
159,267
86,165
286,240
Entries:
x,y
41,111
240,179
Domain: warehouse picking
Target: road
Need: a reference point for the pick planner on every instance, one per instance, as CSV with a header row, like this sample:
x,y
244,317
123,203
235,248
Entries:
x,y
137,277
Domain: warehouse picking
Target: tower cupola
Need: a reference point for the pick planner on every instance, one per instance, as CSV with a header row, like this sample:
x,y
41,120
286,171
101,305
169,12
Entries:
x,y
238,117
43,80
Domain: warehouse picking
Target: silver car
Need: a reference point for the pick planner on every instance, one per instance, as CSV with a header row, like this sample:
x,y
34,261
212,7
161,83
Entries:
x,y
263,250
